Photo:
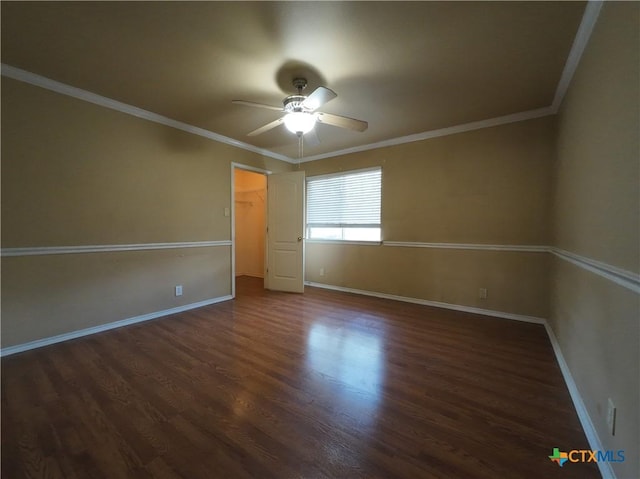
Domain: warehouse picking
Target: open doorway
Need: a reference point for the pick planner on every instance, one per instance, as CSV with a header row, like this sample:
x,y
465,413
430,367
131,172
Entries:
x,y
250,213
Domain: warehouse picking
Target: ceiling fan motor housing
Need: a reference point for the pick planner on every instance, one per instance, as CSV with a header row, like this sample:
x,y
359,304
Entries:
x,y
294,103
300,109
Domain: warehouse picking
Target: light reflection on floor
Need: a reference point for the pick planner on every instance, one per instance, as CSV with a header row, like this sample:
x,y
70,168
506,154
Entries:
x,y
348,364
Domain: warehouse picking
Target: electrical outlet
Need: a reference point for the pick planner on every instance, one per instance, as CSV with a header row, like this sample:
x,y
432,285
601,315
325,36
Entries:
x,y
611,416
179,290
321,271
483,293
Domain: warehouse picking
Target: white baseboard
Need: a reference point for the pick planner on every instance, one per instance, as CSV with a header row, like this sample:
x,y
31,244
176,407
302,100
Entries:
x,y
437,304
587,425
39,343
585,420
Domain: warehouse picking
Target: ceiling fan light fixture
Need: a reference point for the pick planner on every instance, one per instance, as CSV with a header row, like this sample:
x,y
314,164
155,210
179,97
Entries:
x,y
300,112
299,122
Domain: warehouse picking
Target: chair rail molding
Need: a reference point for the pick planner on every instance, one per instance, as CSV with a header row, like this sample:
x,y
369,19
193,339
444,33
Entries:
x,y
49,250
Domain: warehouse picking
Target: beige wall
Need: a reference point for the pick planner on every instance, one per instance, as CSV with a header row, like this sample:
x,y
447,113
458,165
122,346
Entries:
x,y
597,215
43,296
597,204
490,186
76,174
250,212
516,282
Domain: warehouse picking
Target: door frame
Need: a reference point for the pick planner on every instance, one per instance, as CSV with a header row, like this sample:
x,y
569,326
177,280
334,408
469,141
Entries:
x,y
253,169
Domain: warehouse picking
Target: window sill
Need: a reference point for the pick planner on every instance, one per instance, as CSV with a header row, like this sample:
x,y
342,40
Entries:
x,y
350,242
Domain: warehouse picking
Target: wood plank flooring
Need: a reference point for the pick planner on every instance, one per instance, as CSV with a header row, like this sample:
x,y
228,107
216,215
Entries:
x,y
276,385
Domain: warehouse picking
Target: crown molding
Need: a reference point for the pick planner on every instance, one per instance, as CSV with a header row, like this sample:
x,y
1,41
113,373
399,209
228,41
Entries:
x,y
64,89
588,22
581,39
426,135
589,19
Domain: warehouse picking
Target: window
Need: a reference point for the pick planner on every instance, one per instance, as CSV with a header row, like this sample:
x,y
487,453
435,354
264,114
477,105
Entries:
x,y
345,206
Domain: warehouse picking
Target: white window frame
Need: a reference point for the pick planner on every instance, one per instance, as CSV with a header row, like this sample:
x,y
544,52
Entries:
x,y
346,241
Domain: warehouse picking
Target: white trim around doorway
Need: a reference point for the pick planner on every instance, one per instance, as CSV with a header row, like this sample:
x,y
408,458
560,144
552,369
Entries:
x,y
238,166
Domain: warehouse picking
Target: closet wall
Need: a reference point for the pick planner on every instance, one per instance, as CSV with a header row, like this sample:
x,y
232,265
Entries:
x,y
250,216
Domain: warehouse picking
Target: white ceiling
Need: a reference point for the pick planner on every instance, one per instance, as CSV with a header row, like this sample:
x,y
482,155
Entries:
x,y
408,68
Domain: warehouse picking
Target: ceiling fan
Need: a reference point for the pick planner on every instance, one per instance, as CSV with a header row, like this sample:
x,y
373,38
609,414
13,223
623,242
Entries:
x,y
301,115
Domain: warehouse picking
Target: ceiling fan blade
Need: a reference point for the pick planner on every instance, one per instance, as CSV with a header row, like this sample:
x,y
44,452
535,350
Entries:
x,y
266,127
257,105
342,122
311,138
318,97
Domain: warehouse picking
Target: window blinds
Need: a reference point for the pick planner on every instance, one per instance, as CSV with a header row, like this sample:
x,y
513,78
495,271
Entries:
x,y
345,200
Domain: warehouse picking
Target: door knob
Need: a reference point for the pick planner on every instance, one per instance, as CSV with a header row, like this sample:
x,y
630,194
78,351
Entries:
x,y
299,238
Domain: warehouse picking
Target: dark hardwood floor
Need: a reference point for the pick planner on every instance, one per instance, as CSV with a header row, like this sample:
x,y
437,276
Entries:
x,y
276,385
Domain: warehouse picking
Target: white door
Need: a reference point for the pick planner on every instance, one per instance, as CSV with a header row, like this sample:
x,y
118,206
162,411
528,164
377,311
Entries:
x,y
285,232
